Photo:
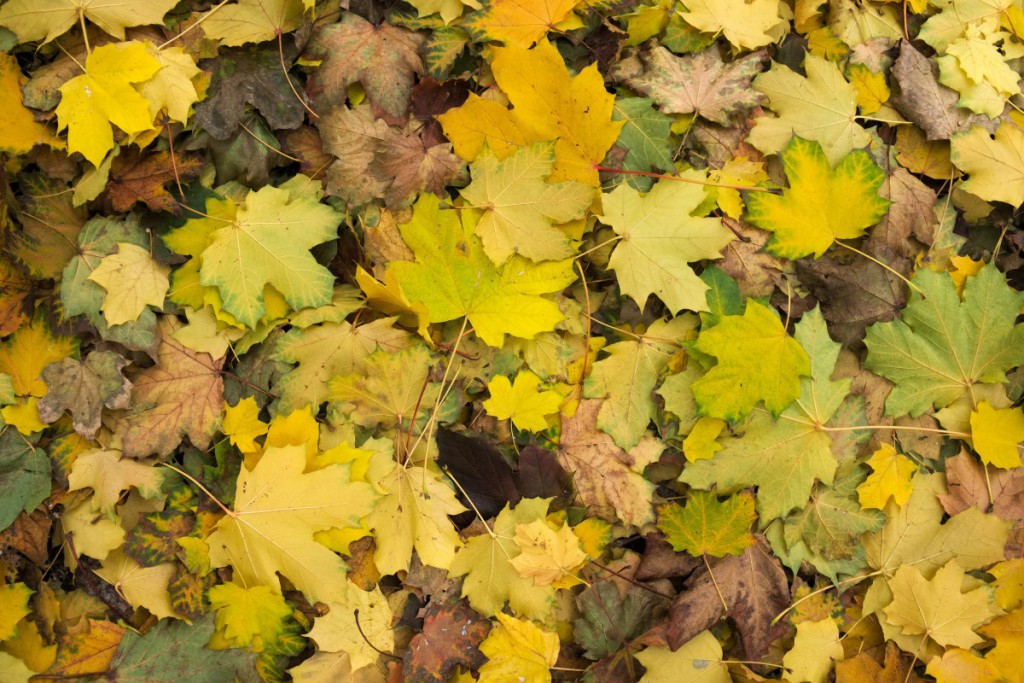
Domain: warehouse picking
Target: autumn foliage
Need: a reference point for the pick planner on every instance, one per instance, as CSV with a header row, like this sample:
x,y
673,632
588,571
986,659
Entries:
x,y
511,340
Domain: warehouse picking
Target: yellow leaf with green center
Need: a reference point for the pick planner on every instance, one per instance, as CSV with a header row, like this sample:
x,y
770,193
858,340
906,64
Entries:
x,y
890,478
132,280
546,555
517,650
699,660
491,578
936,608
757,362
277,510
242,424
997,433
660,239
548,104
45,20
746,25
519,209
518,23
103,96
995,164
821,107
521,401
268,243
13,606
453,278
708,526
821,204
253,617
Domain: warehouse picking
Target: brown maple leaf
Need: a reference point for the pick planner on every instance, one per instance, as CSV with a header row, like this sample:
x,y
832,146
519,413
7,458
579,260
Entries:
x,y
752,585
182,395
136,177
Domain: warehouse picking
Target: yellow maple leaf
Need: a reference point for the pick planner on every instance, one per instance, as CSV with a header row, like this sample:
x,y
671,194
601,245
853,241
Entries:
x,y
47,19
702,441
24,415
872,91
522,402
937,608
518,650
252,21
699,660
242,424
133,280
104,96
995,163
140,586
338,630
13,606
747,24
816,645
890,478
173,87
518,23
549,104
108,475
277,510
997,433
19,131
547,555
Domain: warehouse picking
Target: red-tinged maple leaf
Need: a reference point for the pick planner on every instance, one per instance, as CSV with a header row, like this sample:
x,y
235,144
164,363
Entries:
x,y
451,637
182,395
140,177
383,59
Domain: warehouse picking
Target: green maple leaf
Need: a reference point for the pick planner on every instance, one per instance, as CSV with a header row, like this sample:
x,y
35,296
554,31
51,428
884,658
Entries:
x,y
518,209
627,377
821,204
708,526
826,533
645,137
453,278
660,239
944,344
491,579
782,457
757,361
268,243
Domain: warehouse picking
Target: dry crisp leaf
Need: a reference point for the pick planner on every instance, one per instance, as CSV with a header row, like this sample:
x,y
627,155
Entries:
x,y
608,479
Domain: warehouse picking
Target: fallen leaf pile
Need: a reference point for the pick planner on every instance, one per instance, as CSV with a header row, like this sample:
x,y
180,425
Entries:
x,y
439,341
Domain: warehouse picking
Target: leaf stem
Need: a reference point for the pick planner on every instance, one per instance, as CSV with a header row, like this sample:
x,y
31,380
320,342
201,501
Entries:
x,y
198,21
202,488
883,265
